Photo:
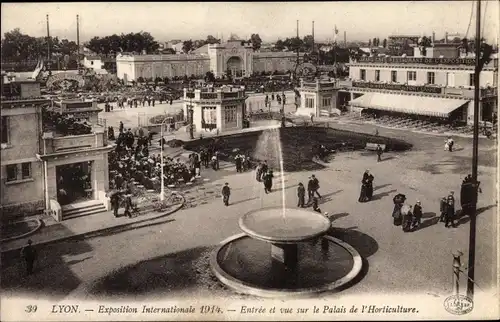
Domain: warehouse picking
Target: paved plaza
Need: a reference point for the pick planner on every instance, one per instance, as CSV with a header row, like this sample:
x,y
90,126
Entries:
x,y
169,255
131,116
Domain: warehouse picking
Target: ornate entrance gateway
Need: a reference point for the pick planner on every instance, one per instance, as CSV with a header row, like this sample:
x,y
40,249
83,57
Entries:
x,y
235,67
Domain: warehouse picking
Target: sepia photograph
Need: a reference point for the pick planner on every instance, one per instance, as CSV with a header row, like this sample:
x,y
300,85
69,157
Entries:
x,y
249,161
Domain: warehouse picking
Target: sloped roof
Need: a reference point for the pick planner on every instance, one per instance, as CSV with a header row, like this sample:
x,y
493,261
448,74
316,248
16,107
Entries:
x,y
202,50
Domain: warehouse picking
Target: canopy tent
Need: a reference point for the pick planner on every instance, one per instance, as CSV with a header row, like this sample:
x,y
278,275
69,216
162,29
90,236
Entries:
x,y
419,105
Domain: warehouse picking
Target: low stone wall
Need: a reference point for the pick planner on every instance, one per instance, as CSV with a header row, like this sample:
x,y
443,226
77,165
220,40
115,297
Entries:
x,y
17,211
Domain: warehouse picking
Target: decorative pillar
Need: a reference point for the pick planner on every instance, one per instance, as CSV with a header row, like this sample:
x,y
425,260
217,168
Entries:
x,y
286,254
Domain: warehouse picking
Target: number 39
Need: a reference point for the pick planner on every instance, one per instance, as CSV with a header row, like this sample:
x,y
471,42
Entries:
x,y
30,309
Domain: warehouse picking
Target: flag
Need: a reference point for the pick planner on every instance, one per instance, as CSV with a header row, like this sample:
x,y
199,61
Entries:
x,y
335,32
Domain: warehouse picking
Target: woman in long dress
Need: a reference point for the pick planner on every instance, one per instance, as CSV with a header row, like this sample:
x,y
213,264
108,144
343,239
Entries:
x,y
369,186
268,181
363,194
398,200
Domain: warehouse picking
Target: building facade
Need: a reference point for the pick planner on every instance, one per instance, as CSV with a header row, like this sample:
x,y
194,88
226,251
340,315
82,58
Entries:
x,y
318,98
39,162
22,190
234,57
440,87
215,109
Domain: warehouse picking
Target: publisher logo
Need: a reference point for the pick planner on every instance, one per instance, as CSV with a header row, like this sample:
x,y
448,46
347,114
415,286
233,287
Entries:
x,y
458,304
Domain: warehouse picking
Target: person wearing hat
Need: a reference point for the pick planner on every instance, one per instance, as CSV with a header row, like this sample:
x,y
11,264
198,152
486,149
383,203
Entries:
x,y
226,192
28,253
301,194
315,186
417,215
442,208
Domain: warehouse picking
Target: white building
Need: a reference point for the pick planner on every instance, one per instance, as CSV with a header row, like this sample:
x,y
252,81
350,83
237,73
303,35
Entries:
x,y
427,86
93,62
221,108
235,57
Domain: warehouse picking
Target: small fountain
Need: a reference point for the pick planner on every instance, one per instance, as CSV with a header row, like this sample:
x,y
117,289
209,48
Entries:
x,y
278,253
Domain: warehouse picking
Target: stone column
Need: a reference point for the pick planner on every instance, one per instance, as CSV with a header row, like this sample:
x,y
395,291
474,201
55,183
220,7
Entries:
x,y
287,254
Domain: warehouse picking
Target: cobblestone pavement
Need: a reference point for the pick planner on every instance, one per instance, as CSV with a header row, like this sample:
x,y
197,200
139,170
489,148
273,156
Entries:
x,y
169,256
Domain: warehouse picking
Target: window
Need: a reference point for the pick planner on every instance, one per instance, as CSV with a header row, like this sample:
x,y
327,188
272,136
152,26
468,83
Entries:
x,y
362,74
230,114
412,76
11,172
377,75
26,170
471,80
5,129
394,76
431,78
327,101
309,102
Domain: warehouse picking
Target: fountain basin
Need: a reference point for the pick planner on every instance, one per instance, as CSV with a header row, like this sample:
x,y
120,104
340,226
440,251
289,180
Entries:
x,y
244,264
284,225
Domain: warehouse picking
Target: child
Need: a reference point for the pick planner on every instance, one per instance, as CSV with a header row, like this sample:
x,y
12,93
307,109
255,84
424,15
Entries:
x,y
226,192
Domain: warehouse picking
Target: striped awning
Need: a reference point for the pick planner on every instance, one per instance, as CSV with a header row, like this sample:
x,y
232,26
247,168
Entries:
x,y
429,106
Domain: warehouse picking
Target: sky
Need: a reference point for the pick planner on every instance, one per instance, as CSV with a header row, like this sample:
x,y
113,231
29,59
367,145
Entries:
x,y
271,20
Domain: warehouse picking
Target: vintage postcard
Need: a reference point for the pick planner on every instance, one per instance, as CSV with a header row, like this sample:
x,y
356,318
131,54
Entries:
x,y
249,161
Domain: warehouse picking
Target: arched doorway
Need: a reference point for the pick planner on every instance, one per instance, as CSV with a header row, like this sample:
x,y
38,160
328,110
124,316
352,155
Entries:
x,y
235,67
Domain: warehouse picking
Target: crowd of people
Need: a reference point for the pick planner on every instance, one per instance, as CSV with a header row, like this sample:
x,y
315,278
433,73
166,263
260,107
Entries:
x,y
66,124
131,161
281,99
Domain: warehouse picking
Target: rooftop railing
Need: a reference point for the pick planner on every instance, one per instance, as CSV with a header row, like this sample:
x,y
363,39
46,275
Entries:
x,y
427,88
423,60
210,93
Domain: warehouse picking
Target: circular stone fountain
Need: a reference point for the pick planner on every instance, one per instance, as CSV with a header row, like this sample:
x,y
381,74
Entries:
x,y
284,252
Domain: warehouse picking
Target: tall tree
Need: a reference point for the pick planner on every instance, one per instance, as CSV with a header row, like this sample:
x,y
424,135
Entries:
x,y
187,46
423,44
212,40
279,45
369,42
384,43
256,41
308,43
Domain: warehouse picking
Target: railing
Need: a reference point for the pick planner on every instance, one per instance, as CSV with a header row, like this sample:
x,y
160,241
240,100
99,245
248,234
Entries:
x,y
71,143
399,87
433,89
230,95
208,95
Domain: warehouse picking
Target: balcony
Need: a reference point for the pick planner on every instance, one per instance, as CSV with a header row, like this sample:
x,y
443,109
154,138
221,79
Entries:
x,y
60,144
428,89
215,94
320,85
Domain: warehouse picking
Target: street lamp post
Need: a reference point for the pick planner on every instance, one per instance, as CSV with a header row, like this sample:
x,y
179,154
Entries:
x,y
475,143
162,193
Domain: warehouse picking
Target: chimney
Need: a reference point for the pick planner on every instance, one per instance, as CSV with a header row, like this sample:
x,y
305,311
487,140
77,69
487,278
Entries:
x,y
446,37
345,39
433,37
48,39
313,36
78,41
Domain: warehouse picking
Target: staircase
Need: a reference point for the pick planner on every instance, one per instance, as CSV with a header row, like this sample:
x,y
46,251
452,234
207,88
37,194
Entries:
x,y
82,209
